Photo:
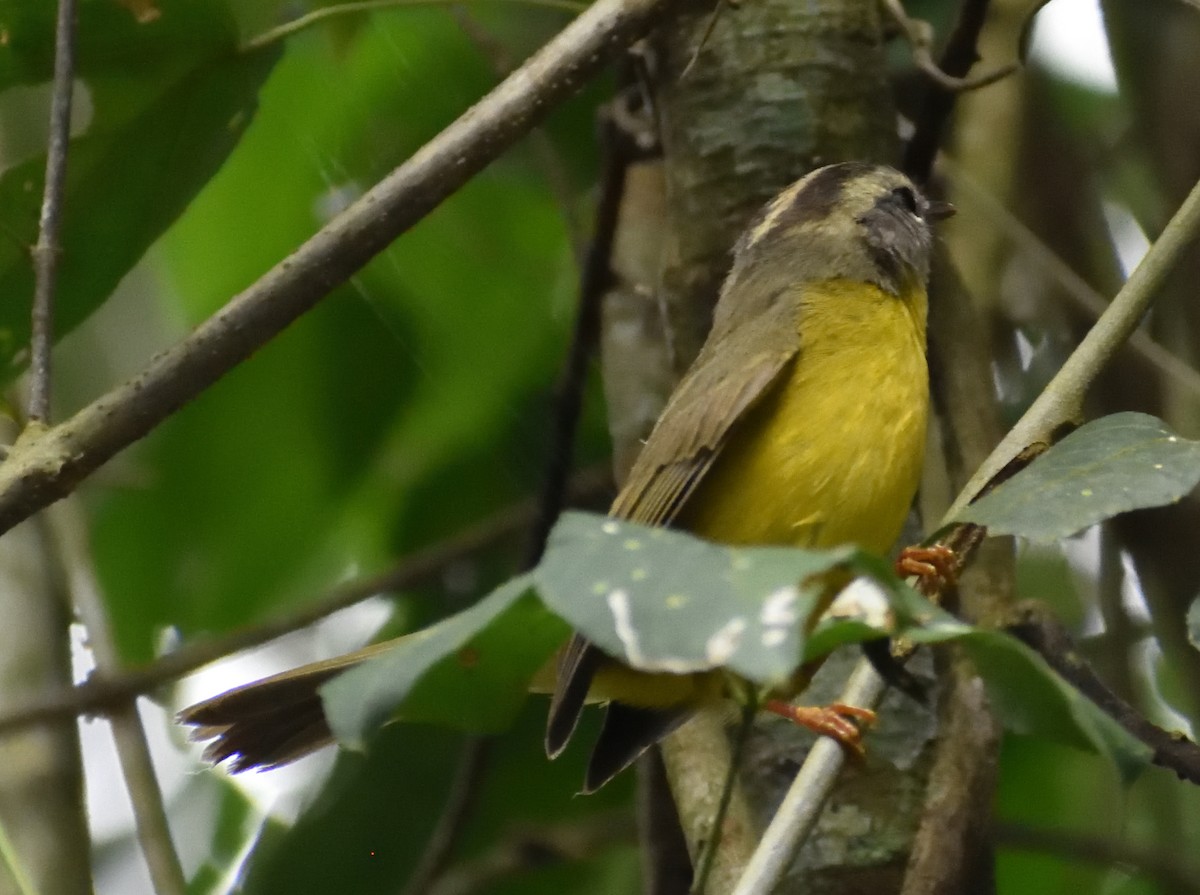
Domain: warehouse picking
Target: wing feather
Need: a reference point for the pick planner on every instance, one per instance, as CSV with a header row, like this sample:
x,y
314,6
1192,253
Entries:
x,y
729,378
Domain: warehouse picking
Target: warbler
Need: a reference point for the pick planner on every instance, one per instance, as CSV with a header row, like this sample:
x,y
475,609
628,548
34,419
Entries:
x,y
801,422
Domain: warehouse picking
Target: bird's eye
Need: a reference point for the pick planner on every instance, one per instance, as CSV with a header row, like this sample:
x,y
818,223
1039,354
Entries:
x,y
907,198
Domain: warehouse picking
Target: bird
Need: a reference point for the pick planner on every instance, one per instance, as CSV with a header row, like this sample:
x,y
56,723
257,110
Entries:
x,y
801,422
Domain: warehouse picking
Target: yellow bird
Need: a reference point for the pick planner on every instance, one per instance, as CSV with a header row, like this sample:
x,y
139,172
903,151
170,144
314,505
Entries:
x,y
801,422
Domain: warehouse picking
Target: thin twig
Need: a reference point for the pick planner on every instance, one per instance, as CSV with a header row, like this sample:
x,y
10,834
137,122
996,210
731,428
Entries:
x,y
959,55
595,280
48,250
67,532
704,38
456,811
316,16
100,693
45,466
564,427
1074,287
551,164
697,758
1056,405
920,38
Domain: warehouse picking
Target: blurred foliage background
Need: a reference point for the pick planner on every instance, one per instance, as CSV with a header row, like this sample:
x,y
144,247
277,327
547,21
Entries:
x,y
414,400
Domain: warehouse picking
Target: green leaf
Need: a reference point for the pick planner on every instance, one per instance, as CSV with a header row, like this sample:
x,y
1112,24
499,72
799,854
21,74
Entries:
x,y
1122,462
386,441
666,601
170,100
470,671
1030,697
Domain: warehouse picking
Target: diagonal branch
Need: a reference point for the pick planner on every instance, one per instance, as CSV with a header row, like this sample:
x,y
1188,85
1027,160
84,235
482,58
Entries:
x,y
1062,399
43,467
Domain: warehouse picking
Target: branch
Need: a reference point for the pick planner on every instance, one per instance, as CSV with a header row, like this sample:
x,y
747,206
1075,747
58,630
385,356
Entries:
x,y
920,37
796,817
596,279
48,250
100,693
457,808
958,56
45,466
67,534
951,851
1037,627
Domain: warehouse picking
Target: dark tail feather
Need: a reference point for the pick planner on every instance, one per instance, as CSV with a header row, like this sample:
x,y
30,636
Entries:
x,y
267,723
576,667
626,734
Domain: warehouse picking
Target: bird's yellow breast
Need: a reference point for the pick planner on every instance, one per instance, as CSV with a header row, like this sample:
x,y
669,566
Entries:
x,y
833,454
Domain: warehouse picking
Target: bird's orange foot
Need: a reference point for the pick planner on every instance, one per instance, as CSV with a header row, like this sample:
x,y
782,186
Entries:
x,y
937,566
840,722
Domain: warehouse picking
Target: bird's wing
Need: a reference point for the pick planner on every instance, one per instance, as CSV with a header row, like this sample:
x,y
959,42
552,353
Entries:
x,y
728,379
698,420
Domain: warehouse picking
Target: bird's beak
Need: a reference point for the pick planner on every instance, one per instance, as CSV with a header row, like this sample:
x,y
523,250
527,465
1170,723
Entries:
x,y
939,211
